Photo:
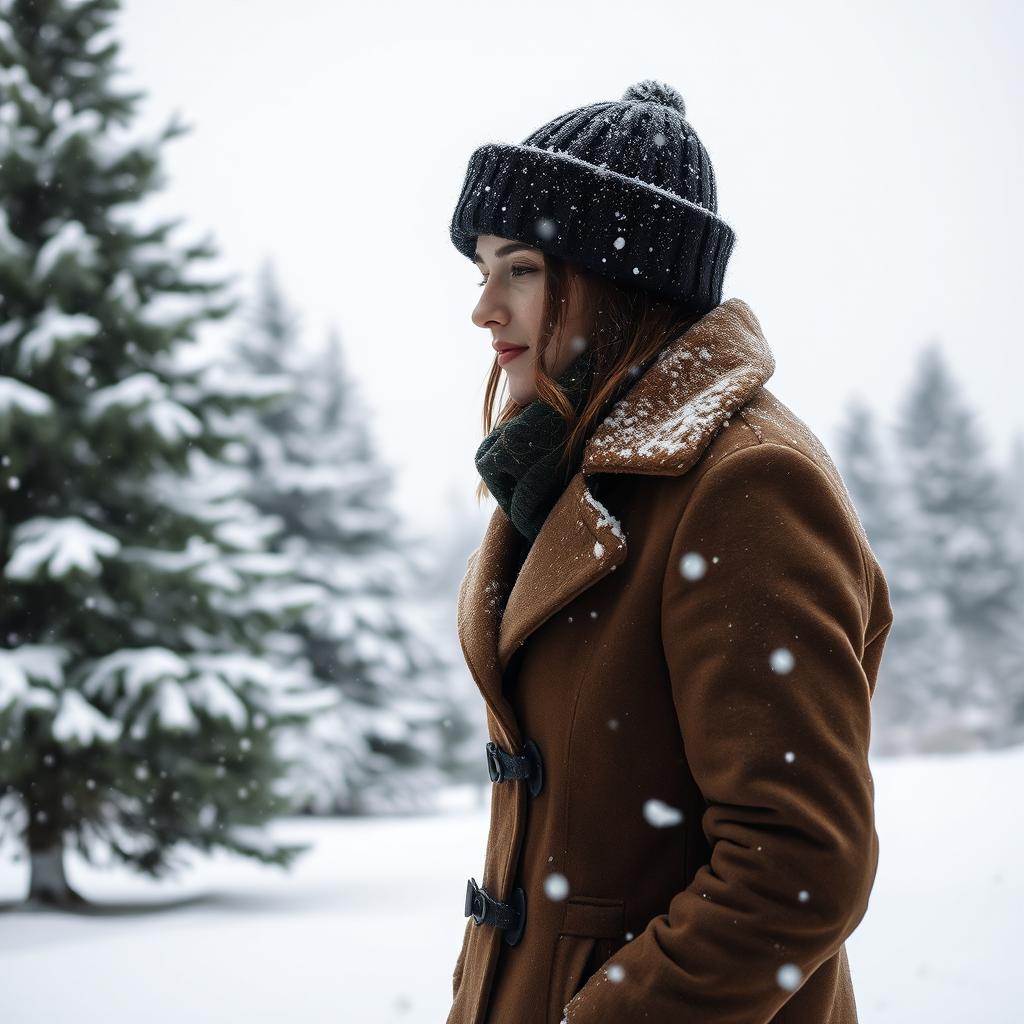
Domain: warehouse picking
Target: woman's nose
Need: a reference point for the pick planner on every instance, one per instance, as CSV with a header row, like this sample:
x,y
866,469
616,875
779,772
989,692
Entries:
x,y
488,311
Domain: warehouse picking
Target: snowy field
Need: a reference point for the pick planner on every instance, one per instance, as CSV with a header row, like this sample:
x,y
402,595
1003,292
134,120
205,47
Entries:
x,y
367,925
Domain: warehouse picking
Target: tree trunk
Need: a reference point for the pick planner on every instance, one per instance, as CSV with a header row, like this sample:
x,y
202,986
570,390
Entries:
x,y
48,885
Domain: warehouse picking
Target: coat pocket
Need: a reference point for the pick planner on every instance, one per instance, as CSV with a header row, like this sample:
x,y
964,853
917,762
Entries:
x,y
592,930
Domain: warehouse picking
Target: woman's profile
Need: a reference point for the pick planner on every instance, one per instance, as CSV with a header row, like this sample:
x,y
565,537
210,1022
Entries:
x,y
674,618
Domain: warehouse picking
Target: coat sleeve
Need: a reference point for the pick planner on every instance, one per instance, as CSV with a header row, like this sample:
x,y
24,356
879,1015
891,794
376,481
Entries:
x,y
764,611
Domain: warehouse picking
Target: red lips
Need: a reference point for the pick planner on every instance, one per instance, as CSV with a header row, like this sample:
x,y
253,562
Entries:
x,y
506,355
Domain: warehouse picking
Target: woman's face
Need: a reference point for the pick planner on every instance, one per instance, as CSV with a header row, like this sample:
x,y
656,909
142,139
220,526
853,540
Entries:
x,y
511,308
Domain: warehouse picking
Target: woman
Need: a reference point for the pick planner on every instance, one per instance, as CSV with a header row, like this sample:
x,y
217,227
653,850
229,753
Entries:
x,y
674,617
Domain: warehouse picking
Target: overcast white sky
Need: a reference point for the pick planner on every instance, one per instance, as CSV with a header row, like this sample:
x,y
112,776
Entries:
x,y
868,157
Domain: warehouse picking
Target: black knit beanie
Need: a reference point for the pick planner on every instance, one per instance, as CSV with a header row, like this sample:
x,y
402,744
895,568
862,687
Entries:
x,y
626,189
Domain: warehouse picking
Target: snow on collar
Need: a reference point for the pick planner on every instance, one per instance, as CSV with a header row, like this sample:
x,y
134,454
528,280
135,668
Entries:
x,y
667,418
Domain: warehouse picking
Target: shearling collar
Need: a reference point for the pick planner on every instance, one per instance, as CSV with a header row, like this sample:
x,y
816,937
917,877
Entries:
x,y
664,421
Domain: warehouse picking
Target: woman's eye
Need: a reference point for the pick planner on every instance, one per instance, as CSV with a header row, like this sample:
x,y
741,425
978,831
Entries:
x,y
517,271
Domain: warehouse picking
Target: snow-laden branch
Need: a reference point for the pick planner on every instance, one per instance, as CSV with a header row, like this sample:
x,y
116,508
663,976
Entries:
x,y
53,547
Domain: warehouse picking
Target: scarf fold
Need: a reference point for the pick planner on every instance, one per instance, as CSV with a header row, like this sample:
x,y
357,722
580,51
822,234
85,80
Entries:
x,y
518,458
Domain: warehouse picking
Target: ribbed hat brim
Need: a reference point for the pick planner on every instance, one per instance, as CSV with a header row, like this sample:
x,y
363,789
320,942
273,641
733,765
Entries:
x,y
622,227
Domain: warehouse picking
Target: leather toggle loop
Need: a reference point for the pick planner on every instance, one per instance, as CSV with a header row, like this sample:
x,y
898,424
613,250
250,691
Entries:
x,y
485,909
502,766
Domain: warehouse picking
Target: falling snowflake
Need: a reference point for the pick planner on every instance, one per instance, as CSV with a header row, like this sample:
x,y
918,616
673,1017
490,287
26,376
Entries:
x,y
616,973
782,660
556,886
660,814
789,977
545,228
692,565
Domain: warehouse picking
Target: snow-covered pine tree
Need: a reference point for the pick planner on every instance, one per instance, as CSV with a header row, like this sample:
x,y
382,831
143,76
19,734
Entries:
x,y
963,517
138,710
370,638
1013,657
918,694
867,470
1017,480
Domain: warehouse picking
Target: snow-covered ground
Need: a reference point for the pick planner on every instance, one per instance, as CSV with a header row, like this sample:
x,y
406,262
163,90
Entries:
x,y
366,927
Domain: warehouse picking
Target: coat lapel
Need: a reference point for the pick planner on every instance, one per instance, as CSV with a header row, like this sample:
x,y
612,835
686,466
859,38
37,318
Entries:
x,y
660,426
579,543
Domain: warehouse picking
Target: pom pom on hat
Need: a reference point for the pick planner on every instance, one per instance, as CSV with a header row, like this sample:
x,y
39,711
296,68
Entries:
x,y
650,90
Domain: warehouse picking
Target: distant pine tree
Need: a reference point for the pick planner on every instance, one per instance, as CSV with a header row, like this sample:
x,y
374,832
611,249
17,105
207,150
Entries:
x,y
917,704
1015,488
963,519
868,472
1012,663
369,638
137,708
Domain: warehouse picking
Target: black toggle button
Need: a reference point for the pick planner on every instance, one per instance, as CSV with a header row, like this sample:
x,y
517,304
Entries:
x,y
502,766
485,909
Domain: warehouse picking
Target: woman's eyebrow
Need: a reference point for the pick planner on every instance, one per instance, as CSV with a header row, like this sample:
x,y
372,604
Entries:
x,y
504,250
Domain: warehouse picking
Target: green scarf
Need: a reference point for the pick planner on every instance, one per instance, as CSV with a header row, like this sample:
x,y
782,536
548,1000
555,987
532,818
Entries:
x,y
517,459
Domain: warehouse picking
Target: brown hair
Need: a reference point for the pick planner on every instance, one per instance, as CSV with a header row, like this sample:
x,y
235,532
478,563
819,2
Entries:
x,y
627,328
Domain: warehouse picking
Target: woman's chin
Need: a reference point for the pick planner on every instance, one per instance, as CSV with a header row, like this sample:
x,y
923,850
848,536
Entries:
x,y
520,394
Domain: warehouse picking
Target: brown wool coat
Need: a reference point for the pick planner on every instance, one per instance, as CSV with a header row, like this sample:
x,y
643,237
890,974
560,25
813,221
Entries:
x,y
642,678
